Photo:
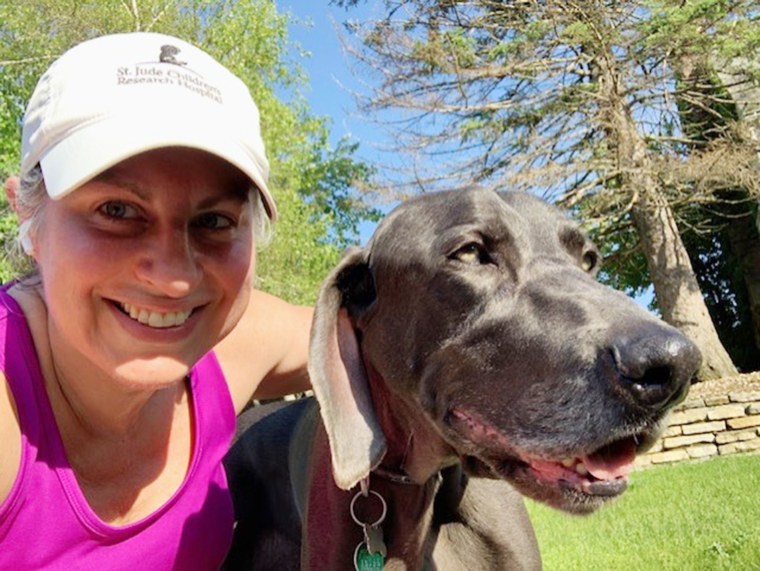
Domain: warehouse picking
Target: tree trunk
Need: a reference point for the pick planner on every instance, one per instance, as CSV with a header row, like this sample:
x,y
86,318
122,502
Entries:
x,y
675,285
744,234
678,295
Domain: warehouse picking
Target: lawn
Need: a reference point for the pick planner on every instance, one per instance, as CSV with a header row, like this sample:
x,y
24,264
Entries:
x,y
691,516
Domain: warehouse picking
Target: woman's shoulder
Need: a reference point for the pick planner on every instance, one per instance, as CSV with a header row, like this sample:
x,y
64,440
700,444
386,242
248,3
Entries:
x,y
10,436
266,353
23,300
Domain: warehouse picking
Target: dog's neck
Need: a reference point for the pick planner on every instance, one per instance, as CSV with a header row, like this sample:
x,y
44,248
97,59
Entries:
x,y
415,449
408,479
406,528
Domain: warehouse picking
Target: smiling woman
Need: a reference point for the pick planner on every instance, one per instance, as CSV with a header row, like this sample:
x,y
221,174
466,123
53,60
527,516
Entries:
x,y
129,349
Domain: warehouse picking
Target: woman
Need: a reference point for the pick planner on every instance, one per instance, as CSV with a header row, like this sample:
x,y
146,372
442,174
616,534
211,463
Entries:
x,y
127,354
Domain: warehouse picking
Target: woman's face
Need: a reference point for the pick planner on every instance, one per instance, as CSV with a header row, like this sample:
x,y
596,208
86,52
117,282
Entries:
x,y
146,267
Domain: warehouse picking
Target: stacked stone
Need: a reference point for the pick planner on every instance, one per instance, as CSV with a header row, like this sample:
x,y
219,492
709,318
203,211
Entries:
x,y
709,425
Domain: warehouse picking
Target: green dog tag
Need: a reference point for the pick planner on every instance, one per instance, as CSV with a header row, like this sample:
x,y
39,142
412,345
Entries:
x,y
366,561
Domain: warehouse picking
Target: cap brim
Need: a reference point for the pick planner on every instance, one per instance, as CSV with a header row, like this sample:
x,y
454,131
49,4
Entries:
x,y
97,146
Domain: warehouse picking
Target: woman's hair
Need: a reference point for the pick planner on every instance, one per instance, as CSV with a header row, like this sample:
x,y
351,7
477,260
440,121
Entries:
x,y
31,196
262,225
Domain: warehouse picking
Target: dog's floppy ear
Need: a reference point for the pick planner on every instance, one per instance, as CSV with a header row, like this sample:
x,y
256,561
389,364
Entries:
x,y
357,443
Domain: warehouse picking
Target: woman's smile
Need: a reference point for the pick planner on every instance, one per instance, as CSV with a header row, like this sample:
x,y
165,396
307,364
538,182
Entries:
x,y
155,319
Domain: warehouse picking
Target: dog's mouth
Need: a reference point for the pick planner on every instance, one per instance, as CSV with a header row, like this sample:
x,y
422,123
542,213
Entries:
x,y
602,473
578,482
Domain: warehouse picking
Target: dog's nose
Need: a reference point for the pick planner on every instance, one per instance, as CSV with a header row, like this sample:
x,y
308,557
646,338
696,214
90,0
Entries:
x,y
656,367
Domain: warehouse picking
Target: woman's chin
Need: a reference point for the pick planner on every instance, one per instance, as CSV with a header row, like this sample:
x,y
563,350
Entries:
x,y
153,373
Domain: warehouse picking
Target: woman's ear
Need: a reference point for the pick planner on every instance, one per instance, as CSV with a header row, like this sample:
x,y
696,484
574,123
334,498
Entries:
x,y
11,186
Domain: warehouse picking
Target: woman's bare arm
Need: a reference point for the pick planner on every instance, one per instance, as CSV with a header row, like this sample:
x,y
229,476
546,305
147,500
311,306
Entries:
x,y
266,354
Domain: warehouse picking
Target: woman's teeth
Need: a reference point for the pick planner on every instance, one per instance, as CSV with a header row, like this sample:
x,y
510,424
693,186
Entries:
x,y
155,319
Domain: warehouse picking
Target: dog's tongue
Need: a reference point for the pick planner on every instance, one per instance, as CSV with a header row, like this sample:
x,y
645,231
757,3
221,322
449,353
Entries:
x,y
613,461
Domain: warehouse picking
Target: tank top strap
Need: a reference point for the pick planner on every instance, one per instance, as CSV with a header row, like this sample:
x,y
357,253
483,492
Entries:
x,y
19,363
22,372
214,407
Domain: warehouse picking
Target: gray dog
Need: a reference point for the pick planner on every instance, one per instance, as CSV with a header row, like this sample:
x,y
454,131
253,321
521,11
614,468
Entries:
x,y
467,349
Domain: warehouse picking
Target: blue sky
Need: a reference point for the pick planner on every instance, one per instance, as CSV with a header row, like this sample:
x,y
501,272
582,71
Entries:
x,y
331,81
327,67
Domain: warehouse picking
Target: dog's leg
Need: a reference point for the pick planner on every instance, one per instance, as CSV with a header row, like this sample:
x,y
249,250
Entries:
x,y
483,525
268,529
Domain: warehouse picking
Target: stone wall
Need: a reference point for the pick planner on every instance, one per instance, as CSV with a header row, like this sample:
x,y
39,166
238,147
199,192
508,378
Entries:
x,y
717,419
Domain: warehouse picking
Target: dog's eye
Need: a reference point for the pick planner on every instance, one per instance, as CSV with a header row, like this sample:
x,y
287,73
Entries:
x,y
472,253
589,261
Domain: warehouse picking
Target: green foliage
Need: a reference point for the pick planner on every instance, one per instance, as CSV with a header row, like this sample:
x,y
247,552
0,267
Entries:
x,y
314,184
294,264
720,279
686,517
577,33
725,29
329,177
721,275
7,235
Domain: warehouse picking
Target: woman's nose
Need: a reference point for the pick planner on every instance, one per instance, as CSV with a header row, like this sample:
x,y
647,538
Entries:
x,y
169,263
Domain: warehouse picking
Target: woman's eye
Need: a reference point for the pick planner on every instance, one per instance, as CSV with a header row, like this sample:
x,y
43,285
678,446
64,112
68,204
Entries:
x,y
118,210
213,221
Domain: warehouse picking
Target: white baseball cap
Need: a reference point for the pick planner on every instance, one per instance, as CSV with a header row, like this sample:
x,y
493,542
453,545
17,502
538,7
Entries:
x,y
113,97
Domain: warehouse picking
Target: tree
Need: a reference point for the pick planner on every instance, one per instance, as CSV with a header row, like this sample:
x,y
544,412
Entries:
x,y
575,100
713,107
741,79
312,182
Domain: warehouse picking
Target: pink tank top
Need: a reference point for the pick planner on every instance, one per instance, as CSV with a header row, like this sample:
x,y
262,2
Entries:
x,y
46,523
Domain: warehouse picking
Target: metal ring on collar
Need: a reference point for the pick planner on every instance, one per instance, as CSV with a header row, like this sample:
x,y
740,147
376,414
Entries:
x,y
382,515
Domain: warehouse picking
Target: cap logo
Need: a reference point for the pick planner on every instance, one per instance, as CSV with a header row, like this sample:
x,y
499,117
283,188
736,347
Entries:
x,y
169,70
169,55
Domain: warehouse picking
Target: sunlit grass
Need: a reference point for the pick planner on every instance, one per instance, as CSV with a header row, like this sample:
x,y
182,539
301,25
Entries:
x,y
692,516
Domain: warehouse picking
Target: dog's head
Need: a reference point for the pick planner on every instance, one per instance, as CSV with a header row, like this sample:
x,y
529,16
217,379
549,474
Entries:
x,y
482,310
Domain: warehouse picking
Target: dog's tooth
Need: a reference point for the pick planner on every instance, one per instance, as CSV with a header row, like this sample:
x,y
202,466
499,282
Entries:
x,y
581,469
568,462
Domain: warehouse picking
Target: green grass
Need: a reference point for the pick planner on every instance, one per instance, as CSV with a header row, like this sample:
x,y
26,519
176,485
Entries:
x,y
692,516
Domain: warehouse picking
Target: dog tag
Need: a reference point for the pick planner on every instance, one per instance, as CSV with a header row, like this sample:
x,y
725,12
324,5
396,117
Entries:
x,y
366,561
373,538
